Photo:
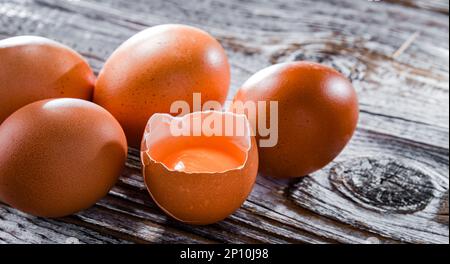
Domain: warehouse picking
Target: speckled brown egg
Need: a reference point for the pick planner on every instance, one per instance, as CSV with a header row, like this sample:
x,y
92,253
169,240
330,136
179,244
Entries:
x,y
317,115
59,156
157,67
35,68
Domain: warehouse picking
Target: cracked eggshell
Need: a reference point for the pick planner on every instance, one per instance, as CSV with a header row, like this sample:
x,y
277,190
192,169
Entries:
x,y
192,197
59,156
317,115
157,67
35,68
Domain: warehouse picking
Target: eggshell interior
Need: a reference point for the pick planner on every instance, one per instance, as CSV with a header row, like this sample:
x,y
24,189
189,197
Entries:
x,y
196,153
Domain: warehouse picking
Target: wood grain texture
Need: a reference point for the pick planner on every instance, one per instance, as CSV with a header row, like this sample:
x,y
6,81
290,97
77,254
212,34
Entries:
x,y
390,185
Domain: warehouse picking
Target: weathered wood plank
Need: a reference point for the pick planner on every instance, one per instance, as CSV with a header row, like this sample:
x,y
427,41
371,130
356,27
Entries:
x,y
272,226
404,113
17,227
396,215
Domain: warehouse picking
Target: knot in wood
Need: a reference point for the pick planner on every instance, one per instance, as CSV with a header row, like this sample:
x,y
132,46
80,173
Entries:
x,y
383,184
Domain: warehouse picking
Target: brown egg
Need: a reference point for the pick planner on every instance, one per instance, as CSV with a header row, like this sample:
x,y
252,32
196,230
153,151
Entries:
x,y
59,156
317,115
36,68
199,178
157,67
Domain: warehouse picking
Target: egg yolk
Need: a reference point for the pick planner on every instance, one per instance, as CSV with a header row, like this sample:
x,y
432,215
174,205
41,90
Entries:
x,y
197,155
201,160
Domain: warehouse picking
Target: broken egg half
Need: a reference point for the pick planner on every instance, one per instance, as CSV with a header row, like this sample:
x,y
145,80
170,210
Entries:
x,y
199,168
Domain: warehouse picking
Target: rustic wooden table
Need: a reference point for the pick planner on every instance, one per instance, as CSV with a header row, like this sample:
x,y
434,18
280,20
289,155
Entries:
x,y
390,185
